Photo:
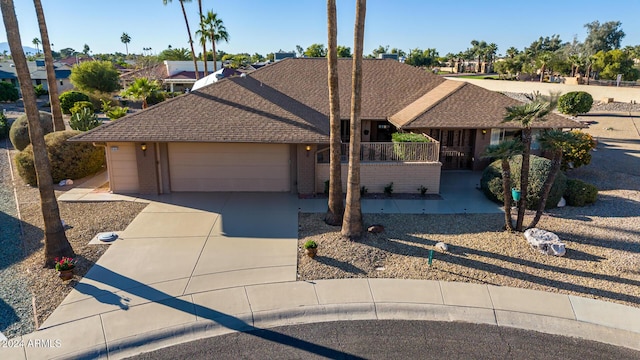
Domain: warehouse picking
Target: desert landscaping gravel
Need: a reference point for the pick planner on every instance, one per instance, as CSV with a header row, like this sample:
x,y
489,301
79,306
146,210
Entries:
x,y
603,239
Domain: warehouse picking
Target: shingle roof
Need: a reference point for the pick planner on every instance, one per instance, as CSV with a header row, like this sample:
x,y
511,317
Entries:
x,y
471,106
287,102
232,110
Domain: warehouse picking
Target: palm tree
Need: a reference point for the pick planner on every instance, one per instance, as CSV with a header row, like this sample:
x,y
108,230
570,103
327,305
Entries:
x,y
55,239
553,141
56,111
504,151
141,89
203,40
543,59
525,115
512,52
36,42
216,31
352,226
335,209
125,39
86,49
186,21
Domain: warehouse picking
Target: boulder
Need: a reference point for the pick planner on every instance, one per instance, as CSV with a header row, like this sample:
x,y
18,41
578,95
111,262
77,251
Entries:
x,y
375,229
442,247
544,241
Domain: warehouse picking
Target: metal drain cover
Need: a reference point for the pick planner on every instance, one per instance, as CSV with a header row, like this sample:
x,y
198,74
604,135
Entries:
x,y
107,237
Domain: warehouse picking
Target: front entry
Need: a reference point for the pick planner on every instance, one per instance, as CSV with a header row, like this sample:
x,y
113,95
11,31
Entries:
x,y
456,147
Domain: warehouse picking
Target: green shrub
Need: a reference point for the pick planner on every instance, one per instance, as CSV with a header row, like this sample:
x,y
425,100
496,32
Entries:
x,y
388,189
4,126
19,133
40,90
310,244
79,105
98,99
409,137
8,92
117,112
575,102
69,160
491,182
105,105
84,120
155,98
69,98
580,193
578,154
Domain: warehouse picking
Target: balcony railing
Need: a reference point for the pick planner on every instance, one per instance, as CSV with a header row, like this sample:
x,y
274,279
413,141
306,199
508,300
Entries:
x,y
389,152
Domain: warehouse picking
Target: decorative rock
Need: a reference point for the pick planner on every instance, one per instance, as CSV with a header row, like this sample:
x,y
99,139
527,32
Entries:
x,y
375,229
544,241
442,247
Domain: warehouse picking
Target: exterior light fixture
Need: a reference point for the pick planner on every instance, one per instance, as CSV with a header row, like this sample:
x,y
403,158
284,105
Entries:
x,y
484,131
308,148
143,147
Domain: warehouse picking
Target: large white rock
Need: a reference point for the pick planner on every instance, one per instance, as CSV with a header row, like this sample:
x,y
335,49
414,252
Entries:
x,y
544,241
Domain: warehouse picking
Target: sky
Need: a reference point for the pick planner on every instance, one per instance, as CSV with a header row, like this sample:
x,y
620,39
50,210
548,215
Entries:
x,y
266,26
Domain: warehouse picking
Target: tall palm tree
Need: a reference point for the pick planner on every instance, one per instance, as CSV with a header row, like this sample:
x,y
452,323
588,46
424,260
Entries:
x,y
203,40
125,39
52,84
553,141
335,209
36,42
186,21
543,59
504,151
512,52
216,31
525,115
352,226
55,239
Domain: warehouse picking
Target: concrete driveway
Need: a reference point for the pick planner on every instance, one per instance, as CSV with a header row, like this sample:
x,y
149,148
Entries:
x,y
188,243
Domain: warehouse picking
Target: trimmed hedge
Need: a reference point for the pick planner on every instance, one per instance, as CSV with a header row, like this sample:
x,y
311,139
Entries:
x,y
69,160
580,193
539,167
575,102
69,98
19,133
409,137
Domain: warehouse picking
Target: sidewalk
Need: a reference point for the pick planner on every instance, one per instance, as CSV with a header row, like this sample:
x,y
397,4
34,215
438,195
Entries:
x,y
151,325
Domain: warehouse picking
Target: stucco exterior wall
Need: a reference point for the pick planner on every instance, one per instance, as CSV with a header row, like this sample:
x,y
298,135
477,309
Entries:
x,y
406,177
306,168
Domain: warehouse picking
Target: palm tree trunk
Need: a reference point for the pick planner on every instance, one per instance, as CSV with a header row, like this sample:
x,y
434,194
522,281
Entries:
x,y
193,52
215,56
54,101
548,184
524,176
352,226
506,189
542,73
55,240
204,43
335,210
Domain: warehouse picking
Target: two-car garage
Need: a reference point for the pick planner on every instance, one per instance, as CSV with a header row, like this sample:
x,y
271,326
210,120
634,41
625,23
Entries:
x,y
229,167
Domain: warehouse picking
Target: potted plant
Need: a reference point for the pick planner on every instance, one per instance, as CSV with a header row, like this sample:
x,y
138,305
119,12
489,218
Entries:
x,y
65,267
310,248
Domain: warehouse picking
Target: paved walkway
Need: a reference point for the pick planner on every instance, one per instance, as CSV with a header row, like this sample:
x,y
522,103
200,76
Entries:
x,y
192,266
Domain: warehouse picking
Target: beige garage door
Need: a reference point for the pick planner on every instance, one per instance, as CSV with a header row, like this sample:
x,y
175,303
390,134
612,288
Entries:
x,y
123,167
229,167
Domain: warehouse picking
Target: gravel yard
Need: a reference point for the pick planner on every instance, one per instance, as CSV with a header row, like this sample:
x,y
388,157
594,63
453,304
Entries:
x,y
22,274
603,240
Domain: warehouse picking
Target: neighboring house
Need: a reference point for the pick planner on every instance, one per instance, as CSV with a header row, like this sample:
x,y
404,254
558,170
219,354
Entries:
x,y
38,74
176,76
269,131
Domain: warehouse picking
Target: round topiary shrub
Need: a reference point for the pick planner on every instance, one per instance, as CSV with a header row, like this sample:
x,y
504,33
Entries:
x,y
69,160
539,167
19,133
575,102
69,98
580,193
79,105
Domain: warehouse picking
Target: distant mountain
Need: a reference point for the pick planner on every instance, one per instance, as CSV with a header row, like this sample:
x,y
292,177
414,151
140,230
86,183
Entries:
x,y
5,46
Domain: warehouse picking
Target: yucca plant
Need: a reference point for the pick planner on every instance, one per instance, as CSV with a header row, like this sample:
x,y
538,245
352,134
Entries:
x,y
84,120
117,112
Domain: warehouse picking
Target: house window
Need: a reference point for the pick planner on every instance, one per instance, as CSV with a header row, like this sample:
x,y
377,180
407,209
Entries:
x,y
499,135
61,82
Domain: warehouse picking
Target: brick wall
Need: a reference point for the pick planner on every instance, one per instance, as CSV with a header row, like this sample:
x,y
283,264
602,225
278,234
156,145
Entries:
x,y
147,170
306,168
406,177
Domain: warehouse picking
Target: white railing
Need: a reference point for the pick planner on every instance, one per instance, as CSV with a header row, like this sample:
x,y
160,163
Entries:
x,y
390,152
